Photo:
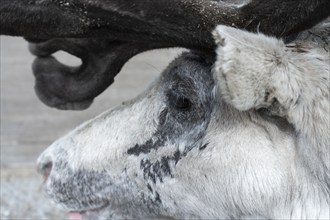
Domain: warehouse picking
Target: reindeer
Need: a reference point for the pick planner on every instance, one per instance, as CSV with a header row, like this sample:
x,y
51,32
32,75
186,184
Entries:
x,y
247,137
239,133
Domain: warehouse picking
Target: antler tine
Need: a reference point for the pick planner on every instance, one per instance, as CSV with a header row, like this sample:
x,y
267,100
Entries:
x,y
74,88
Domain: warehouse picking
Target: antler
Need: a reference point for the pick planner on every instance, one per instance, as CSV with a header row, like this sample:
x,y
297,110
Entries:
x,y
125,28
139,29
74,88
170,20
185,23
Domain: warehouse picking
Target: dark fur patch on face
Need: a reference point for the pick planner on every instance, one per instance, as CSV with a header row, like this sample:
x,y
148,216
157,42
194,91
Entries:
x,y
203,147
78,189
159,169
180,125
186,91
84,190
145,148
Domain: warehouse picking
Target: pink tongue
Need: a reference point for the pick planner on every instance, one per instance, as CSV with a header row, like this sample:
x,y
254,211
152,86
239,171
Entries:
x,y
75,216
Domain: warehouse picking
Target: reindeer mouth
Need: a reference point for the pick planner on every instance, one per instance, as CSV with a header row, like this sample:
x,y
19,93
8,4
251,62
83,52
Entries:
x,y
78,215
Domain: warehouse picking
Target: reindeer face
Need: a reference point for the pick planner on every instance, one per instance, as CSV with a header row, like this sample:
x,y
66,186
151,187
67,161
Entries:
x,y
175,151
126,161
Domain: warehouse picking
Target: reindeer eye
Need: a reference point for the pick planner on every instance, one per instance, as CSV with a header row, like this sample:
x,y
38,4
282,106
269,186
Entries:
x,y
179,102
183,104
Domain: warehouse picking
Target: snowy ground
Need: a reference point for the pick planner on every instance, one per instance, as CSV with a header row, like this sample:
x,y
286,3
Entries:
x,y
28,126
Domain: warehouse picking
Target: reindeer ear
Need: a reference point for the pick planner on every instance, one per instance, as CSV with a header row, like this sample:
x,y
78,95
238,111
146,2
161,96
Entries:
x,y
230,37
224,35
218,38
239,52
229,42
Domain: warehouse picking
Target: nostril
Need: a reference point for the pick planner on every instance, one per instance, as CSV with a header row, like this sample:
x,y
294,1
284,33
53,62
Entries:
x,y
45,169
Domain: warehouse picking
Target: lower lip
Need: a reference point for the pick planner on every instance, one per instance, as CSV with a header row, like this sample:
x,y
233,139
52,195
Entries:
x,y
79,215
75,216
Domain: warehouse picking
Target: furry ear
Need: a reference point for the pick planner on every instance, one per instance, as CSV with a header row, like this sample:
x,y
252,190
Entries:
x,y
225,36
245,57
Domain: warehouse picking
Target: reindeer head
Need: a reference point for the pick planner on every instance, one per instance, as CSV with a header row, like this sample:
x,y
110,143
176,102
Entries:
x,y
179,151
171,152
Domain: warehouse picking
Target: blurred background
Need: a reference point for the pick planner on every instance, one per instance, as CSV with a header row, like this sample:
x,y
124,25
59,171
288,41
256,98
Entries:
x,y
28,126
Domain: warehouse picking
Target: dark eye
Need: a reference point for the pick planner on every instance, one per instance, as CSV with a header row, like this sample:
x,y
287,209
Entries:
x,y
179,102
182,104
